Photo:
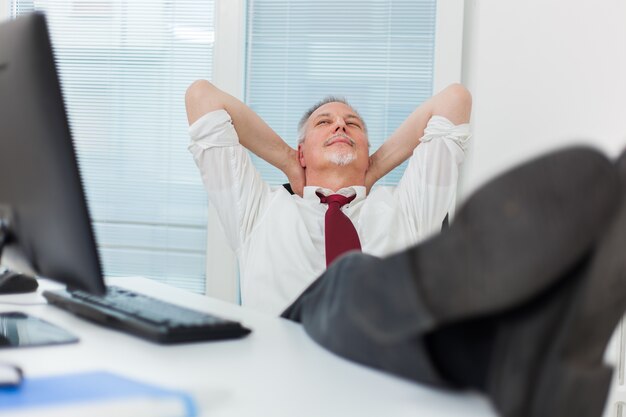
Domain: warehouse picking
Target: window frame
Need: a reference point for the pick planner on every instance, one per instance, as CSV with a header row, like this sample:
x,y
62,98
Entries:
x,y
448,67
230,34
4,10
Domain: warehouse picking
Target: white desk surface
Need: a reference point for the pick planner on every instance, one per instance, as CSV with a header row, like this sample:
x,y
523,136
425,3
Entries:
x,y
277,370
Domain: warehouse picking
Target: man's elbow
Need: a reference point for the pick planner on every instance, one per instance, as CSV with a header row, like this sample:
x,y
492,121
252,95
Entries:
x,y
454,102
460,95
202,97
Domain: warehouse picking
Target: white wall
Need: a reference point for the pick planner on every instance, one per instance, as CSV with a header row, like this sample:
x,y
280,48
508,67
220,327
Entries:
x,y
544,74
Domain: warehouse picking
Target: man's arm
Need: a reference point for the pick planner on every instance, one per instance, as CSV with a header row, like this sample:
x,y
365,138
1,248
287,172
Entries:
x,y
254,134
453,103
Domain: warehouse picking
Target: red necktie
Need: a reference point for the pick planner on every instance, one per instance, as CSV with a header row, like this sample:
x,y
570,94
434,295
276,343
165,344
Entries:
x,y
340,234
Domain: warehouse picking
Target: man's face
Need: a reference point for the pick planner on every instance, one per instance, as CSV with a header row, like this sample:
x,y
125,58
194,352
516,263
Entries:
x,y
334,135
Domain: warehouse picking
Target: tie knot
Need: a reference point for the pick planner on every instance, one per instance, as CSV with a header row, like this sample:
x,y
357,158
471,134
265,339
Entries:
x,y
335,199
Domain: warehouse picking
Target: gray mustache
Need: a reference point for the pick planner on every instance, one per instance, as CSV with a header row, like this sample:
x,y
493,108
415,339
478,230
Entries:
x,y
339,135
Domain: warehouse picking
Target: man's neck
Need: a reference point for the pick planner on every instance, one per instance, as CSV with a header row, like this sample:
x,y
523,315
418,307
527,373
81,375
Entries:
x,y
334,179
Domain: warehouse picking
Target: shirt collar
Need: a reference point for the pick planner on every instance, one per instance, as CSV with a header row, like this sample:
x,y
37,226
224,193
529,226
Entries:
x,y
310,191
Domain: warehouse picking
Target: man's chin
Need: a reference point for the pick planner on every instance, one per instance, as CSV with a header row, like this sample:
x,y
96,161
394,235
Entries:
x,y
342,159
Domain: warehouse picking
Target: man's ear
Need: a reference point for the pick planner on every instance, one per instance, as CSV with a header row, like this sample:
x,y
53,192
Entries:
x,y
301,156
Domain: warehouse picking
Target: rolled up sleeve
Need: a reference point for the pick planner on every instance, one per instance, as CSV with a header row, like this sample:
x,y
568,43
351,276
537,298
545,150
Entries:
x,y
428,188
233,184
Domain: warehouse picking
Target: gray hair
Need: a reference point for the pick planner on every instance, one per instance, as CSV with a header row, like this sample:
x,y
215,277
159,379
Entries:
x,y
311,110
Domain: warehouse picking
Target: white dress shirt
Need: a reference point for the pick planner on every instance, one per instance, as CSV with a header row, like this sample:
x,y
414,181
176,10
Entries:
x,y
279,238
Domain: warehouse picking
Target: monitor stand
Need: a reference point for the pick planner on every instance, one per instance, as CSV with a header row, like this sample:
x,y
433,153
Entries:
x,y
12,282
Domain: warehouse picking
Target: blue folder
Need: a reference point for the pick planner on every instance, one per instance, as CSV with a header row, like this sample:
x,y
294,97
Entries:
x,y
85,388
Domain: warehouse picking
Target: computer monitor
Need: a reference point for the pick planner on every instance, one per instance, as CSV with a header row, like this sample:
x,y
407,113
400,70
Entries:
x,y
42,202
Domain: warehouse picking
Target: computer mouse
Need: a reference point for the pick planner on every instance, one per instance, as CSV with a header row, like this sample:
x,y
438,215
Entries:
x,y
12,282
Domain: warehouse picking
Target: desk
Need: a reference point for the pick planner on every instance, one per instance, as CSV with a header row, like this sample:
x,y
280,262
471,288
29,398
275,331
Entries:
x,y
275,371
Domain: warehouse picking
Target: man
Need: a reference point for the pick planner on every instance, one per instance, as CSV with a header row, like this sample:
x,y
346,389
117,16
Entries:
x,y
522,312
279,238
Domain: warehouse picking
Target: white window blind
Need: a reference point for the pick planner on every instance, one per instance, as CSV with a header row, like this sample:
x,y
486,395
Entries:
x,y
124,68
377,54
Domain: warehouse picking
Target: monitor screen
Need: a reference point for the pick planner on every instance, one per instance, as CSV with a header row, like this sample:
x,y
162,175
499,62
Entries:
x,y
41,196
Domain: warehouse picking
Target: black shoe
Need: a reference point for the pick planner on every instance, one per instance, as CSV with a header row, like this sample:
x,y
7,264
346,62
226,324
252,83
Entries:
x,y
549,356
511,241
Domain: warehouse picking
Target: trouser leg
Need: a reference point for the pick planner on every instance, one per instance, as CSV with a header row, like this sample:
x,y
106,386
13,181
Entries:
x,y
349,313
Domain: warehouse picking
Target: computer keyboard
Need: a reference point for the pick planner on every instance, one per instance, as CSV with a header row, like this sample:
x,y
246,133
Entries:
x,y
145,316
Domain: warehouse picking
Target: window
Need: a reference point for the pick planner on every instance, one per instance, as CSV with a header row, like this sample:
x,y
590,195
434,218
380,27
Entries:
x,y
380,55
124,68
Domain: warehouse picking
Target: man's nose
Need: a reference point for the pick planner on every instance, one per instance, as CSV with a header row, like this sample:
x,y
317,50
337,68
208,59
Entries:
x,y
340,124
